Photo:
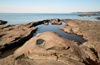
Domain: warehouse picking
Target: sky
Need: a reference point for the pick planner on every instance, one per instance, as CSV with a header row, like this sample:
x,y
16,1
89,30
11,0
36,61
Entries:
x,y
48,6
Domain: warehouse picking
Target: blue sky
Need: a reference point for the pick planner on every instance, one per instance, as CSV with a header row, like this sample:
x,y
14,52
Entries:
x,y
48,6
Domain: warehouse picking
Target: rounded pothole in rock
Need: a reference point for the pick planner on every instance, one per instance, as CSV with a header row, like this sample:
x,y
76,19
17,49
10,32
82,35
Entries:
x,y
39,42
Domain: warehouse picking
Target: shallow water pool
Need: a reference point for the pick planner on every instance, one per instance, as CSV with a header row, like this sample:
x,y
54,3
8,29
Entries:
x,y
55,28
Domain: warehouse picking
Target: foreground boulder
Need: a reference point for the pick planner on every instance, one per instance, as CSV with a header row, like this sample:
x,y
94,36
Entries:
x,y
2,22
48,48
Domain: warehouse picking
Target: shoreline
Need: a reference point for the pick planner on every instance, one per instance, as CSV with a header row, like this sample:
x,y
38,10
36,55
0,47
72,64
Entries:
x,y
87,29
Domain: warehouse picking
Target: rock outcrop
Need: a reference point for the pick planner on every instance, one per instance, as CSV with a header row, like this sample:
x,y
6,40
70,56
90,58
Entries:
x,y
90,31
48,48
56,21
2,22
98,18
14,35
89,15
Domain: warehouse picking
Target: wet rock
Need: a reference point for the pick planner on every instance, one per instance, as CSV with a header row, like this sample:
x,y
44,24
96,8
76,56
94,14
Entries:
x,y
2,22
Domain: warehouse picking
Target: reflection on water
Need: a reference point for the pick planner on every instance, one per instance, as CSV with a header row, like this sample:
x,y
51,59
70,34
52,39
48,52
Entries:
x,y
55,28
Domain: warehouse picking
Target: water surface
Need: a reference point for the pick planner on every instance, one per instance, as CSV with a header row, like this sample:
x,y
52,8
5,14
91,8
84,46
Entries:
x,y
55,28
21,18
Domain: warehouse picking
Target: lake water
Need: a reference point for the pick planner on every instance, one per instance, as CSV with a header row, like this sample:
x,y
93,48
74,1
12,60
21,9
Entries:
x,y
21,18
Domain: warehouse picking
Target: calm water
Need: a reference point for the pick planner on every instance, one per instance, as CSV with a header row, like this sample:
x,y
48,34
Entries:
x,y
21,18
55,28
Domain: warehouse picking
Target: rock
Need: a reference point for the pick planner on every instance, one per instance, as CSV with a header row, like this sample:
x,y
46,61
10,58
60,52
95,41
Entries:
x,y
90,31
10,60
52,47
14,35
89,15
2,22
66,29
56,21
98,18
47,47
46,22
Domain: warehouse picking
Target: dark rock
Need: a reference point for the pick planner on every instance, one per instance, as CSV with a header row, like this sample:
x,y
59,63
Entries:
x,y
2,22
98,18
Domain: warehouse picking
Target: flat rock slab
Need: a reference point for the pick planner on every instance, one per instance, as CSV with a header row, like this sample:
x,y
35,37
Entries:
x,y
89,30
14,35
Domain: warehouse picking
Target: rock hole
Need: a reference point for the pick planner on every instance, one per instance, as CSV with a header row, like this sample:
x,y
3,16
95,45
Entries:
x,y
39,42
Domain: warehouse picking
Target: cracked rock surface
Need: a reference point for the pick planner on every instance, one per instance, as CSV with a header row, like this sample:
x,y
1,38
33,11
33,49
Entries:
x,y
53,49
48,48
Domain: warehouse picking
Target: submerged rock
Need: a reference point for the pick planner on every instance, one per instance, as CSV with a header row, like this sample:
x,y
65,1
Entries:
x,y
2,22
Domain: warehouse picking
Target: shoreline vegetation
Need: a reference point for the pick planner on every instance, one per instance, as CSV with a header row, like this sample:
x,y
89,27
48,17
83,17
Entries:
x,y
48,47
